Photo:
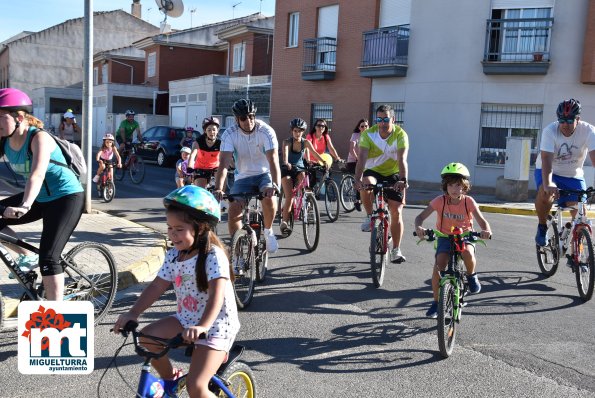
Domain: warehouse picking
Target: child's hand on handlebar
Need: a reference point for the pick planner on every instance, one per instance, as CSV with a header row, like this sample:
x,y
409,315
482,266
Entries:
x,y
193,333
421,232
486,234
122,320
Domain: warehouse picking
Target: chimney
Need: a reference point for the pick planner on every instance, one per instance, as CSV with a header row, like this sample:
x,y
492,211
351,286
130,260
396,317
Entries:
x,y
135,9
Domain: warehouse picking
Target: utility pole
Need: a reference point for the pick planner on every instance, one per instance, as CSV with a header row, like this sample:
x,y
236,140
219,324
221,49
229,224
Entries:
x,y
87,99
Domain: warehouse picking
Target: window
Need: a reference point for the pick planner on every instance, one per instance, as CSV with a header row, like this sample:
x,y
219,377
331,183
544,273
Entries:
x,y
151,64
323,111
292,35
399,108
239,61
95,76
500,121
104,71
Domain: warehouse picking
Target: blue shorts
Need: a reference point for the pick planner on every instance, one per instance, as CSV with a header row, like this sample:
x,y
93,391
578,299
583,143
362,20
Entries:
x,y
443,245
564,183
253,184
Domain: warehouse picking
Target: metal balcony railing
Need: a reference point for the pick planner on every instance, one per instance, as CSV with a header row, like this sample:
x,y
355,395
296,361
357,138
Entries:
x,y
518,40
320,54
386,46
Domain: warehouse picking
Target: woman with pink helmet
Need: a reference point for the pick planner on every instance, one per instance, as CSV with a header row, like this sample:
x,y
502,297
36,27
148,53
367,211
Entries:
x,y
52,193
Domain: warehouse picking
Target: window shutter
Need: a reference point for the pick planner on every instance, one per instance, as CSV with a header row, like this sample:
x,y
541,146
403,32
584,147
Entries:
x,y
394,12
515,4
328,21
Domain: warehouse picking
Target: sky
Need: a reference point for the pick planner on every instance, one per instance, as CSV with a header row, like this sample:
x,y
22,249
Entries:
x,y
36,15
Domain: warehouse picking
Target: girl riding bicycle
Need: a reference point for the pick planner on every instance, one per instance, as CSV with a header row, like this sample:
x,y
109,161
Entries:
x,y
105,155
453,209
295,149
183,177
198,266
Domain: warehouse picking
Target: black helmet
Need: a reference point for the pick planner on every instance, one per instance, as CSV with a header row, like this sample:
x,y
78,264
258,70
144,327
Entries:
x,y
243,107
568,109
298,123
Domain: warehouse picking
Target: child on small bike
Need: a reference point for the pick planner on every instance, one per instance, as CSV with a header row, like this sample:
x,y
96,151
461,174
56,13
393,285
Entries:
x,y
105,156
204,159
182,174
453,209
294,152
189,138
199,269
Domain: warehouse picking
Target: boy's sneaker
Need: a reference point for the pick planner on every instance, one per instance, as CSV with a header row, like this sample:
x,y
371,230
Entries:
x,y
366,227
541,235
285,229
473,282
432,312
569,261
272,244
26,263
396,257
96,179
358,205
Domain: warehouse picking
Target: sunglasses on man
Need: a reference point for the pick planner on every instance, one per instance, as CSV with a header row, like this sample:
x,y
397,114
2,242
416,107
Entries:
x,y
566,121
383,120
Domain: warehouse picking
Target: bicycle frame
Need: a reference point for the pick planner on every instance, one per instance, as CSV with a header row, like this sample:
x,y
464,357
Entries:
x,y
25,279
579,222
298,196
380,212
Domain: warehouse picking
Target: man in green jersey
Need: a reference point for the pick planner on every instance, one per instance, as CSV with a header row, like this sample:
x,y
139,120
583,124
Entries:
x,y
382,158
127,129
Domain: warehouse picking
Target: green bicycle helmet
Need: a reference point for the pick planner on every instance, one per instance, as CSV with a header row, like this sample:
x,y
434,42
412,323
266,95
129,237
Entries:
x,y
455,169
197,201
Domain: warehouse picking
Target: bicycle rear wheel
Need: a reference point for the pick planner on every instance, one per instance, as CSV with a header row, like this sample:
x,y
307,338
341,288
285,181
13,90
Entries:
x,y
2,314
137,169
585,269
240,381
331,200
310,222
109,191
348,193
548,256
242,257
447,330
378,252
90,275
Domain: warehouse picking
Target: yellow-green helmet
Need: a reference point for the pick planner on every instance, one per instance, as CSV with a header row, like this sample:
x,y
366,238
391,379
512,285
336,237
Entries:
x,y
455,169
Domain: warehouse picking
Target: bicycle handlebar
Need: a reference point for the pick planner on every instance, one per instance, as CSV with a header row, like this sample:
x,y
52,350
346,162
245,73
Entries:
x,y
432,234
589,191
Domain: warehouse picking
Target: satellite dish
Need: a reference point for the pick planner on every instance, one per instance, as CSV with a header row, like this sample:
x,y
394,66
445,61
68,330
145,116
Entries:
x,y
171,8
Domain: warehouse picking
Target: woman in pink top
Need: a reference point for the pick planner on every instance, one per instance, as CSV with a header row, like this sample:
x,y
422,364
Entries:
x,y
321,140
105,156
453,209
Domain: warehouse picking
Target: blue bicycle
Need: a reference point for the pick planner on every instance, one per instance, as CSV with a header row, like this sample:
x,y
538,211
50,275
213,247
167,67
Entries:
x,y
234,379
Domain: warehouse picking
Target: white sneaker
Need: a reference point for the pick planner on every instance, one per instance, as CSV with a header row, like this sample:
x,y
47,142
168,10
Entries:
x,y
396,257
366,227
272,245
96,179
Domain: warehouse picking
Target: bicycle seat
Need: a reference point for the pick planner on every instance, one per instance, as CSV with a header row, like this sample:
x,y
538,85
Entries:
x,y
235,352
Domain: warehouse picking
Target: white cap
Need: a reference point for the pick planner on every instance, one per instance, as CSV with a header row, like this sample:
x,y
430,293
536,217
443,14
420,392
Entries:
x,y
186,149
69,115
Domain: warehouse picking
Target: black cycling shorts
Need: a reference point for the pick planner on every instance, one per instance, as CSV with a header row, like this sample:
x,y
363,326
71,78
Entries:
x,y
204,173
387,180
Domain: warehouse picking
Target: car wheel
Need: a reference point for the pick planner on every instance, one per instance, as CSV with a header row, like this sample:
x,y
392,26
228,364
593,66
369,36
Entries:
x,y
161,159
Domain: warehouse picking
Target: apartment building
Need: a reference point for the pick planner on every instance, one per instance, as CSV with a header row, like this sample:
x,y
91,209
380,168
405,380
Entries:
x,y
462,79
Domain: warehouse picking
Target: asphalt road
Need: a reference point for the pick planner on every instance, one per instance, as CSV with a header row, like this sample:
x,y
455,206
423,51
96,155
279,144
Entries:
x,y
318,328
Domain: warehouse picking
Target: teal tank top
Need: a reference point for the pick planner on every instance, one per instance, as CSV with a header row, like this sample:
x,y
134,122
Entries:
x,y
59,180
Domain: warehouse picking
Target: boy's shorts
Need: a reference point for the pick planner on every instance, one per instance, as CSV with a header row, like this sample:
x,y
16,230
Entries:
x,y
253,184
443,245
564,183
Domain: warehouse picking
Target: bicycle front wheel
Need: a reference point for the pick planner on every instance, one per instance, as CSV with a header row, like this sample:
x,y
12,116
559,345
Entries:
x,y
311,222
240,380
262,258
119,173
378,252
348,193
242,257
331,200
548,256
90,275
137,169
585,269
109,191
447,330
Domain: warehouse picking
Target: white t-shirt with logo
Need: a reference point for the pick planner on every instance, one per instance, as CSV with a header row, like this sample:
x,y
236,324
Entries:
x,y
569,152
249,150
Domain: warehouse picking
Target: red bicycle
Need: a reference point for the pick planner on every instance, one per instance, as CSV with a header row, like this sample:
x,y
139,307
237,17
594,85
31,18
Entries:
x,y
106,188
133,164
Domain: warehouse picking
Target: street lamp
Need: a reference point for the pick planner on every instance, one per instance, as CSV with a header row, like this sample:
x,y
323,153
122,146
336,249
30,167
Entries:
x,y
233,9
192,11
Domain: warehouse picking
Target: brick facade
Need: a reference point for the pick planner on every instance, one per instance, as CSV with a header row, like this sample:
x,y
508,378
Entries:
x,y
588,69
348,92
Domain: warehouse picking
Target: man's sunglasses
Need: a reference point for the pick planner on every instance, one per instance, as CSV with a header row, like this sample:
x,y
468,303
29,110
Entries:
x,y
383,119
243,118
566,121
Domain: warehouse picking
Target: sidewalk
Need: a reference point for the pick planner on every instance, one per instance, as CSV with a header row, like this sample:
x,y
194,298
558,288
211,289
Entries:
x,y
139,250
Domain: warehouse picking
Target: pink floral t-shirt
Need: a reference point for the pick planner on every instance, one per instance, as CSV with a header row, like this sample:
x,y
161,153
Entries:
x,y
191,302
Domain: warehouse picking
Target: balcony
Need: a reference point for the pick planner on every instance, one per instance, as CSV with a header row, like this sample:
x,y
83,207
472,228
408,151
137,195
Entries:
x,y
320,57
517,46
385,52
